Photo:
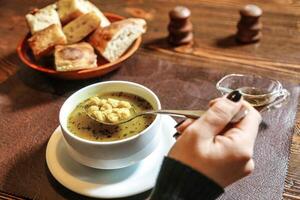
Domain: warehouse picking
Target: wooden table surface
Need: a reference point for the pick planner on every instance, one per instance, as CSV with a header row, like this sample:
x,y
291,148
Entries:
x,y
276,56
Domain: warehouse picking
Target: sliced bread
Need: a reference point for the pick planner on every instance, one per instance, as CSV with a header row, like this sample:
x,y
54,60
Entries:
x,y
74,57
92,8
112,41
40,19
80,27
43,42
70,9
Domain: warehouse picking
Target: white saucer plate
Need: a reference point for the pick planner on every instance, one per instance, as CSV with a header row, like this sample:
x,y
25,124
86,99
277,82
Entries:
x,y
116,183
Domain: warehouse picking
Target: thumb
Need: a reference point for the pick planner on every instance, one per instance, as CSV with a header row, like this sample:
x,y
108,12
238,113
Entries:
x,y
217,116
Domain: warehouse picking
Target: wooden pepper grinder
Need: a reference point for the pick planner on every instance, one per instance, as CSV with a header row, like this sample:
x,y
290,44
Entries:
x,y
180,27
249,26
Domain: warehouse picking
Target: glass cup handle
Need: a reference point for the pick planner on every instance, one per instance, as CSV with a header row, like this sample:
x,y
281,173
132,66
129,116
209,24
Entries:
x,y
283,96
280,100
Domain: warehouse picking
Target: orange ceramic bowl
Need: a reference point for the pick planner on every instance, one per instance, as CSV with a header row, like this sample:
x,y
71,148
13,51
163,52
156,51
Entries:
x,y
46,66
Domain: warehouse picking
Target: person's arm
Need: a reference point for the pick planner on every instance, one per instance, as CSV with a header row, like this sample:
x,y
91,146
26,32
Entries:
x,y
210,154
179,181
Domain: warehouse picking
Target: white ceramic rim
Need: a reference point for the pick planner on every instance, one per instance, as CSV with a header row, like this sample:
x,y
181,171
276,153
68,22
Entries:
x,y
157,117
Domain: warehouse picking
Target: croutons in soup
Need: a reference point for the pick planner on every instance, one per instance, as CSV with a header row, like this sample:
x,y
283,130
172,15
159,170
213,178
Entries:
x,y
109,110
110,107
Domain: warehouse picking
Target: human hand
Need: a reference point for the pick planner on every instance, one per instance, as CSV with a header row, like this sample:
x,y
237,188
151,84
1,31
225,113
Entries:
x,y
216,148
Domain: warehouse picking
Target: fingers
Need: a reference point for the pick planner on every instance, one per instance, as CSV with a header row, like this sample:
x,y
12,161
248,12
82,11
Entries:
x,y
181,126
253,116
248,125
216,118
249,167
184,125
212,102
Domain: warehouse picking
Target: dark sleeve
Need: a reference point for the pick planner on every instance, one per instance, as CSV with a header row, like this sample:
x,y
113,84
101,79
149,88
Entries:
x,y
177,181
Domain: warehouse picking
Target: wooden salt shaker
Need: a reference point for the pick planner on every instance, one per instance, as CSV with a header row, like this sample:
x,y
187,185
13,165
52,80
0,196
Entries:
x,y
180,27
249,27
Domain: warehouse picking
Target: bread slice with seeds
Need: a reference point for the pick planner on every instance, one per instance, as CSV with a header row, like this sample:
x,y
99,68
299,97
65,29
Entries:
x,y
79,28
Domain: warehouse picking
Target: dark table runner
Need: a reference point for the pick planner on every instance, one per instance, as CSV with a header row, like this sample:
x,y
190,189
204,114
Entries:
x,y
31,103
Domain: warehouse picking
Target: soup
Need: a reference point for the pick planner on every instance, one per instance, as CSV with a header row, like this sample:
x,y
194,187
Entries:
x,y
81,125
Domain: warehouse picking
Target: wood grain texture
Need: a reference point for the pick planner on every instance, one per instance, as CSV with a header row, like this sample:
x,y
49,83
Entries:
x,y
8,196
214,28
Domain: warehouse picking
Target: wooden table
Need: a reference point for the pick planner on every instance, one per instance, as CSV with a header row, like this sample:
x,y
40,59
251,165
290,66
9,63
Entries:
x,y
25,92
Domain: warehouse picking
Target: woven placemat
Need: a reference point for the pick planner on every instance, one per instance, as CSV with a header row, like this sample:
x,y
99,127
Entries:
x,y
292,180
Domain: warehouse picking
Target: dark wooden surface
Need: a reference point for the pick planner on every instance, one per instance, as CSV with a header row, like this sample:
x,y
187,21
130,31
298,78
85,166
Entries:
x,y
214,28
24,92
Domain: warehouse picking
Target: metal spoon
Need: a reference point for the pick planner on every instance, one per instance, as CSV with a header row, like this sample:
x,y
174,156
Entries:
x,y
193,114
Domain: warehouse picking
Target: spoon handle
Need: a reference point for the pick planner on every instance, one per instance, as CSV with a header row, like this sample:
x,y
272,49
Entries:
x,y
281,100
194,114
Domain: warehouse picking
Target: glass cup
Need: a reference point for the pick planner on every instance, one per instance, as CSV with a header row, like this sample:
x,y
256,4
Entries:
x,y
260,92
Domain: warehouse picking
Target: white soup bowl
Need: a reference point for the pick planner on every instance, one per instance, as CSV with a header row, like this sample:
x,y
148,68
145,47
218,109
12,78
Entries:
x,y
113,154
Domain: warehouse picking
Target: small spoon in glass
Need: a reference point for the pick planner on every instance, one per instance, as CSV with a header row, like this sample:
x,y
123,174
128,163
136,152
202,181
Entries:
x,y
193,114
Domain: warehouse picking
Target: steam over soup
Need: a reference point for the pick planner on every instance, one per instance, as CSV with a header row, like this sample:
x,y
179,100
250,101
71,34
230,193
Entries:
x,y
118,103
